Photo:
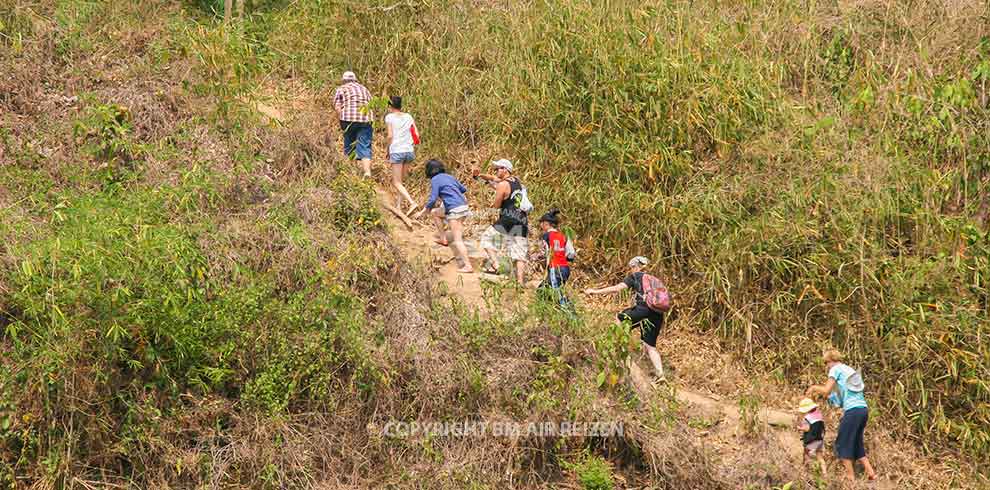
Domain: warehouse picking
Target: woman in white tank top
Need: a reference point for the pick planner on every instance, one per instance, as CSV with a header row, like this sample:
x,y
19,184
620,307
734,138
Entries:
x,y
402,138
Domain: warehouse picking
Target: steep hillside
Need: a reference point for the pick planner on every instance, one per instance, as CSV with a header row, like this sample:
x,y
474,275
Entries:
x,y
809,173
196,291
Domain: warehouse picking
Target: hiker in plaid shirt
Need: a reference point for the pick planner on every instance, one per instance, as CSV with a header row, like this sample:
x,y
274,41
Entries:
x,y
349,100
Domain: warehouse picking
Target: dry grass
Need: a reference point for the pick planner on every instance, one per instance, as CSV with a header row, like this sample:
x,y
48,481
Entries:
x,y
263,196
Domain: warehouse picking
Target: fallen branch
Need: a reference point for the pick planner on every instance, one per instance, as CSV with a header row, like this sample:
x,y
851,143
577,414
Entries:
x,y
405,219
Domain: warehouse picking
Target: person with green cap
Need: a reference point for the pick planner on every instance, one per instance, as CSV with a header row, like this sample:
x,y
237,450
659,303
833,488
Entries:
x,y
646,312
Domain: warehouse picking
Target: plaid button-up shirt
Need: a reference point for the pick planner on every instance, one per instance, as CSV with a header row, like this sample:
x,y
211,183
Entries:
x,y
349,99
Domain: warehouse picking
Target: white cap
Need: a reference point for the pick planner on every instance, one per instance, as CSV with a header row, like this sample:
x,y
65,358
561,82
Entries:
x,y
349,76
503,163
638,261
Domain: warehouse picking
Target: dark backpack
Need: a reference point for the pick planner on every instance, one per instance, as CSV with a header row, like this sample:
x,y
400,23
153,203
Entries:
x,y
655,294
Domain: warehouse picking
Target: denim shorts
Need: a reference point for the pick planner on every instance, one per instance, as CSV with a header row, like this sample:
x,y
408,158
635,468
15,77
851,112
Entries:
x,y
400,158
357,140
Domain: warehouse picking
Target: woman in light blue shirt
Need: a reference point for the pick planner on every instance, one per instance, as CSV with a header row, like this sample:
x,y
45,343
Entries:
x,y
844,389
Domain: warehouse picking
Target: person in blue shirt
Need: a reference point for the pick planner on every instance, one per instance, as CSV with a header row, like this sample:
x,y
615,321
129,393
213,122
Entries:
x,y
844,389
449,192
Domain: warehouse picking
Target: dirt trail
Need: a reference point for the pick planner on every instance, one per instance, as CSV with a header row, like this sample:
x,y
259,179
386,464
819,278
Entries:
x,y
418,244
779,422
724,418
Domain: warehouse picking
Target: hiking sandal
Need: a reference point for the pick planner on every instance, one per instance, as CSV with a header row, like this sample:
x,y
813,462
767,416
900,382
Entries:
x,y
488,267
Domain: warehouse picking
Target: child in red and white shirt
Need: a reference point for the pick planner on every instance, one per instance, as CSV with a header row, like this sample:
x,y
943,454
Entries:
x,y
558,252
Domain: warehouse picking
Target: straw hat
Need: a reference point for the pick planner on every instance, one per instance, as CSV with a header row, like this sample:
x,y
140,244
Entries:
x,y
807,405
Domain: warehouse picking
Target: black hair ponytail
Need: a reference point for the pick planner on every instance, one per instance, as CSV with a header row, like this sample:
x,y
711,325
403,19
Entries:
x,y
551,216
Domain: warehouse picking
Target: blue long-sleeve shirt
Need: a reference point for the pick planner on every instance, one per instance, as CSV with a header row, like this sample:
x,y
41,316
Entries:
x,y
448,190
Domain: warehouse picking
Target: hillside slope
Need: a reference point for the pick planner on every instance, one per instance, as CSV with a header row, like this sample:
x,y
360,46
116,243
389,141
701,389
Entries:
x,y
197,292
809,173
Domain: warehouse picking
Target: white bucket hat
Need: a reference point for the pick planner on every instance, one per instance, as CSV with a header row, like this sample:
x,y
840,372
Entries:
x,y
349,76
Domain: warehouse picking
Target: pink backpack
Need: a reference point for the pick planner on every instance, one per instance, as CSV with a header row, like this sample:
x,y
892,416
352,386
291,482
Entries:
x,y
655,294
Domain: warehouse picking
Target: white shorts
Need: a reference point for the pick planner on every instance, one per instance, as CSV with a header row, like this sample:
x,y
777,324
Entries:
x,y
517,246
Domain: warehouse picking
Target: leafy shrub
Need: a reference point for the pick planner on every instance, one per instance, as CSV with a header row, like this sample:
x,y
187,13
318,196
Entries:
x,y
117,304
549,387
749,414
127,277
593,472
104,131
15,27
353,206
314,357
73,19
614,345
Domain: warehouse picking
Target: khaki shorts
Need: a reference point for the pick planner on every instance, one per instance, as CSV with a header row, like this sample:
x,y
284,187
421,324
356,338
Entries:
x,y
517,246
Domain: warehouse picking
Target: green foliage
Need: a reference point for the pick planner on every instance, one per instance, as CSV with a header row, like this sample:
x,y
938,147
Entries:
x,y
352,208
593,472
73,18
301,365
750,421
664,410
546,392
614,345
118,298
15,28
120,272
229,57
104,131
474,386
838,61
814,185
476,330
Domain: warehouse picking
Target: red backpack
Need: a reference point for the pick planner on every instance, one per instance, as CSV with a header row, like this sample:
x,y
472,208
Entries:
x,y
655,294
414,133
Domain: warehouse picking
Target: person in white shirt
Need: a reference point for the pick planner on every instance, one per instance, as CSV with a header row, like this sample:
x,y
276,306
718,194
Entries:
x,y
402,138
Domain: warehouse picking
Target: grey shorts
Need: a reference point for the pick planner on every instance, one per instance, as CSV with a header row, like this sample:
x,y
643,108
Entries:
x,y
812,448
460,212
